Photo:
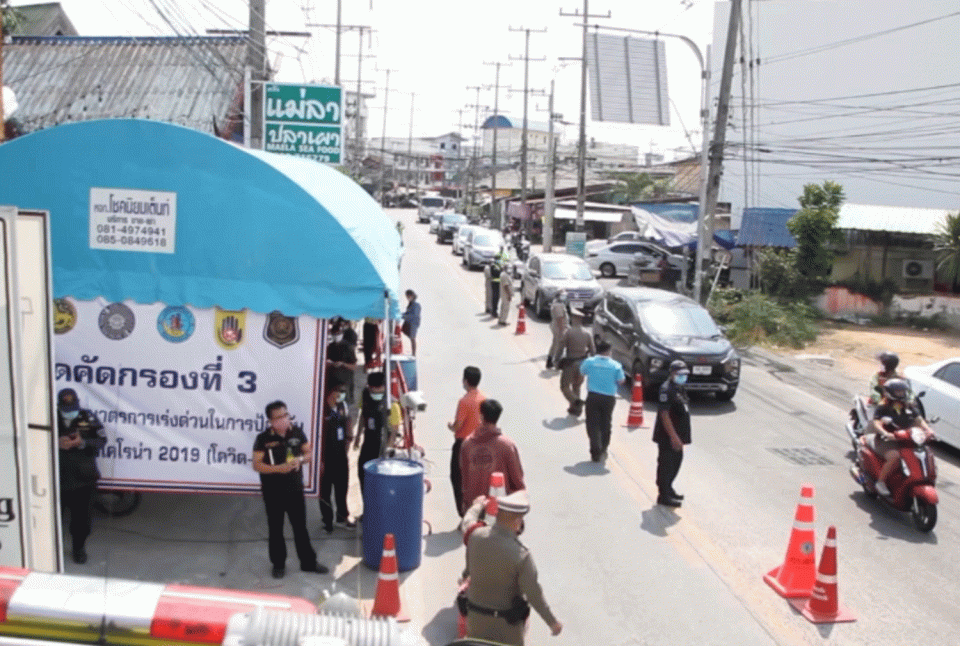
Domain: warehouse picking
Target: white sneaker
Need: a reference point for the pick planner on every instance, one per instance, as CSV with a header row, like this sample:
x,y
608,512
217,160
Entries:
x,y
882,488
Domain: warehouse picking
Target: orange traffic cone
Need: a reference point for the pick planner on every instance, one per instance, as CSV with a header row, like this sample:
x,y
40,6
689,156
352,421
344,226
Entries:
x,y
794,579
396,342
497,489
521,320
823,606
635,417
387,600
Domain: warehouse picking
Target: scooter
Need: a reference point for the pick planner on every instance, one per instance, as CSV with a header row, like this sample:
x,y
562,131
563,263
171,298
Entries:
x,y
913,486
522,246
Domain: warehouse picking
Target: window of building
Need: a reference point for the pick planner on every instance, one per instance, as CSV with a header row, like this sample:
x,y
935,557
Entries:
x,y
442,145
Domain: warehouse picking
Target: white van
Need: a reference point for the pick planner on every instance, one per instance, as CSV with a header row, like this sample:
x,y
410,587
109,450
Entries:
x,y
429,205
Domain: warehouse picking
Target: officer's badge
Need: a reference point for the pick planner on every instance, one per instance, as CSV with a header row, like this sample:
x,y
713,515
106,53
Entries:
x,y
116,321
229,326
64,316
175,324
281,330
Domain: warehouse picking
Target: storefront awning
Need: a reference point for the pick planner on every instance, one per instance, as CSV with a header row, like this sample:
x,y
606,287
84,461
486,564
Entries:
x,y
564,213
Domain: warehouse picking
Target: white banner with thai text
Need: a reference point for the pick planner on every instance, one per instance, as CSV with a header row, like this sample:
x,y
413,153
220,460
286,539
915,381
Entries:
x,y
181,391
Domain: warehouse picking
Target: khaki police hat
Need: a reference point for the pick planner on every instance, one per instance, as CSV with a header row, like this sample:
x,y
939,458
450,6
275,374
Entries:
x,y
517,503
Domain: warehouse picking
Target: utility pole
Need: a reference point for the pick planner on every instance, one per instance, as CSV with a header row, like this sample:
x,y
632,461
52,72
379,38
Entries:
x,y
410,149
460,165
336,64
582,140
709,206
257,64
528,223
476,136
494,215
383,137
548,201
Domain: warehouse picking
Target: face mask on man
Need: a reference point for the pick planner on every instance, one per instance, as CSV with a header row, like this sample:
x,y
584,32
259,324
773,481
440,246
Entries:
x,y
680,379
342,397
337,338
376,396
70,416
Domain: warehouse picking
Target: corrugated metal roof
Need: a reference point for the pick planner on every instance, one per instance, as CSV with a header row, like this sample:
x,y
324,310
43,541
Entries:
x,y
188,81
763,227
896,219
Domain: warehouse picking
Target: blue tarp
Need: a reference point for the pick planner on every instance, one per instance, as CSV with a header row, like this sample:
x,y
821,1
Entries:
x,y
253,229
766,227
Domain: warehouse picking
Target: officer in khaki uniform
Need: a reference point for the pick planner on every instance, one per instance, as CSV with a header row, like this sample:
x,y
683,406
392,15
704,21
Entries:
x,y
502,572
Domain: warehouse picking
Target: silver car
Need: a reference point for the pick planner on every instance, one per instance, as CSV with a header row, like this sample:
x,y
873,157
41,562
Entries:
x,y
546,273
940,384
458,240
481,247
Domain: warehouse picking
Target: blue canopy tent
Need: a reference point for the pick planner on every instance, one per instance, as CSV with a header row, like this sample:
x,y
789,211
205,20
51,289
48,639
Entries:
x,y
253,229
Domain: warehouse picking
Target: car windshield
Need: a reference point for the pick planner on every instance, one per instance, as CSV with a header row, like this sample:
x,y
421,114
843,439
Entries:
x,y
567,270
454,218
677,320
487,240
432,201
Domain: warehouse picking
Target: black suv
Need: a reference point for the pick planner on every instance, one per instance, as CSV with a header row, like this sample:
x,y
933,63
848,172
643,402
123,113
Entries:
x,y
648,328
447,228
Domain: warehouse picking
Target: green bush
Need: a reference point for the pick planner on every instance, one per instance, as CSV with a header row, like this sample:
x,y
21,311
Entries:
x,y
752,318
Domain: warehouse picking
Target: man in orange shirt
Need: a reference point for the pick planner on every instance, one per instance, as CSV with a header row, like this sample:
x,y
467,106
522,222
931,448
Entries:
x,y
466,422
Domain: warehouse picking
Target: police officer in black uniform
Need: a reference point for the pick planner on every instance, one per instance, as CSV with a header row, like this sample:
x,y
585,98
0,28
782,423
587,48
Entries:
x,y
278,455
671,431
335,478
80,437
373,427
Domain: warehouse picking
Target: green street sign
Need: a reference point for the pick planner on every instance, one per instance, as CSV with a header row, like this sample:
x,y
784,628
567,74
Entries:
x,y
304,120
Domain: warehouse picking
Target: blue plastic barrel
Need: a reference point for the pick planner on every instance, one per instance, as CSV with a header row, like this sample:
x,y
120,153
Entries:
x,y
393,504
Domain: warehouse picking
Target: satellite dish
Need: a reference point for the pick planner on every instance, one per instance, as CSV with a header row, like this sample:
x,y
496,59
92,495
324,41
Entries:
x,y
10,104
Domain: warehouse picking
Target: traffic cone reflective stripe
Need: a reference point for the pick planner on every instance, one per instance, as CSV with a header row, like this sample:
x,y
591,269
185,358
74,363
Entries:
x,y
386,603
823,606
497,488
521,320
635,416
795,577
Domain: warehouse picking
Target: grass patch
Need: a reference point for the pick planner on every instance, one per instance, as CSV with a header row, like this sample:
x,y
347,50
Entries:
x,y
752,318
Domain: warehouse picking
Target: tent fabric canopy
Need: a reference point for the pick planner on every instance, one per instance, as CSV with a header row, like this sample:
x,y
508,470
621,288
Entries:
x,y
254,230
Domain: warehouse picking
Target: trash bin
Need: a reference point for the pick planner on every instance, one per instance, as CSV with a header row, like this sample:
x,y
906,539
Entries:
x,y
393,504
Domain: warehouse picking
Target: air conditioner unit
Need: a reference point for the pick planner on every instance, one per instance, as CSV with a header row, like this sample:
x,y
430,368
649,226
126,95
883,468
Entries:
x,y
918,269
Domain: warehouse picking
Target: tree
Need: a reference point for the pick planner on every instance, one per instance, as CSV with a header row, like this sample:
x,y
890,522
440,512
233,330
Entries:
x,y
814,227
637,187
947,246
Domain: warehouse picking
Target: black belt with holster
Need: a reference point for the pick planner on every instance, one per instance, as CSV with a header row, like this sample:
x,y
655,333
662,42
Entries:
x,y
513,615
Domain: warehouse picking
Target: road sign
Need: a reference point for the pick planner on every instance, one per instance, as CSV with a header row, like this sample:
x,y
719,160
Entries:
x,y
304,120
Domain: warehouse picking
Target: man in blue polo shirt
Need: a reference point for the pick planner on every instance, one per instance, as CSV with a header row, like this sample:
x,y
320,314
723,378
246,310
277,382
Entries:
x,y
603,376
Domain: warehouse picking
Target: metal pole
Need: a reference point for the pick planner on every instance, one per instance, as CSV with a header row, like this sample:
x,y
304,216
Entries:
x,y
336,65
383,141
703,244
256,59
494,216
358,146
410,144
551,169
582,139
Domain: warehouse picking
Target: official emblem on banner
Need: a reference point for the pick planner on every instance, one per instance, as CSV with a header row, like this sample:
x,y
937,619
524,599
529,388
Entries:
x,y
64,316
281,330
116,321
175,324
229,326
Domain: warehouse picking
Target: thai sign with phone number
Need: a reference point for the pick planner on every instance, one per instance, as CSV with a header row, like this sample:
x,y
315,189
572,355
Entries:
x,y
133,220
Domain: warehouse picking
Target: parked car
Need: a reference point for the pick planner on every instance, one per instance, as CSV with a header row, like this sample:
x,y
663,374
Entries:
x,y
617,258
429,204
546,273
940,384
435,222
648,328
461,237
449,223
481,246
623,236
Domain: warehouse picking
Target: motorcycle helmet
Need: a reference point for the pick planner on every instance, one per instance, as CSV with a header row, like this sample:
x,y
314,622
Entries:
x,y
889,360
897,389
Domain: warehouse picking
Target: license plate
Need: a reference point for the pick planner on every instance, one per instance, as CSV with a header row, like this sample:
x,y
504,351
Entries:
x,y
576,304
702,370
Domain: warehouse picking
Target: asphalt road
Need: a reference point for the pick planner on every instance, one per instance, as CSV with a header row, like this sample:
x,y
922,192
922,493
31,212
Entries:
x,y
616,568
